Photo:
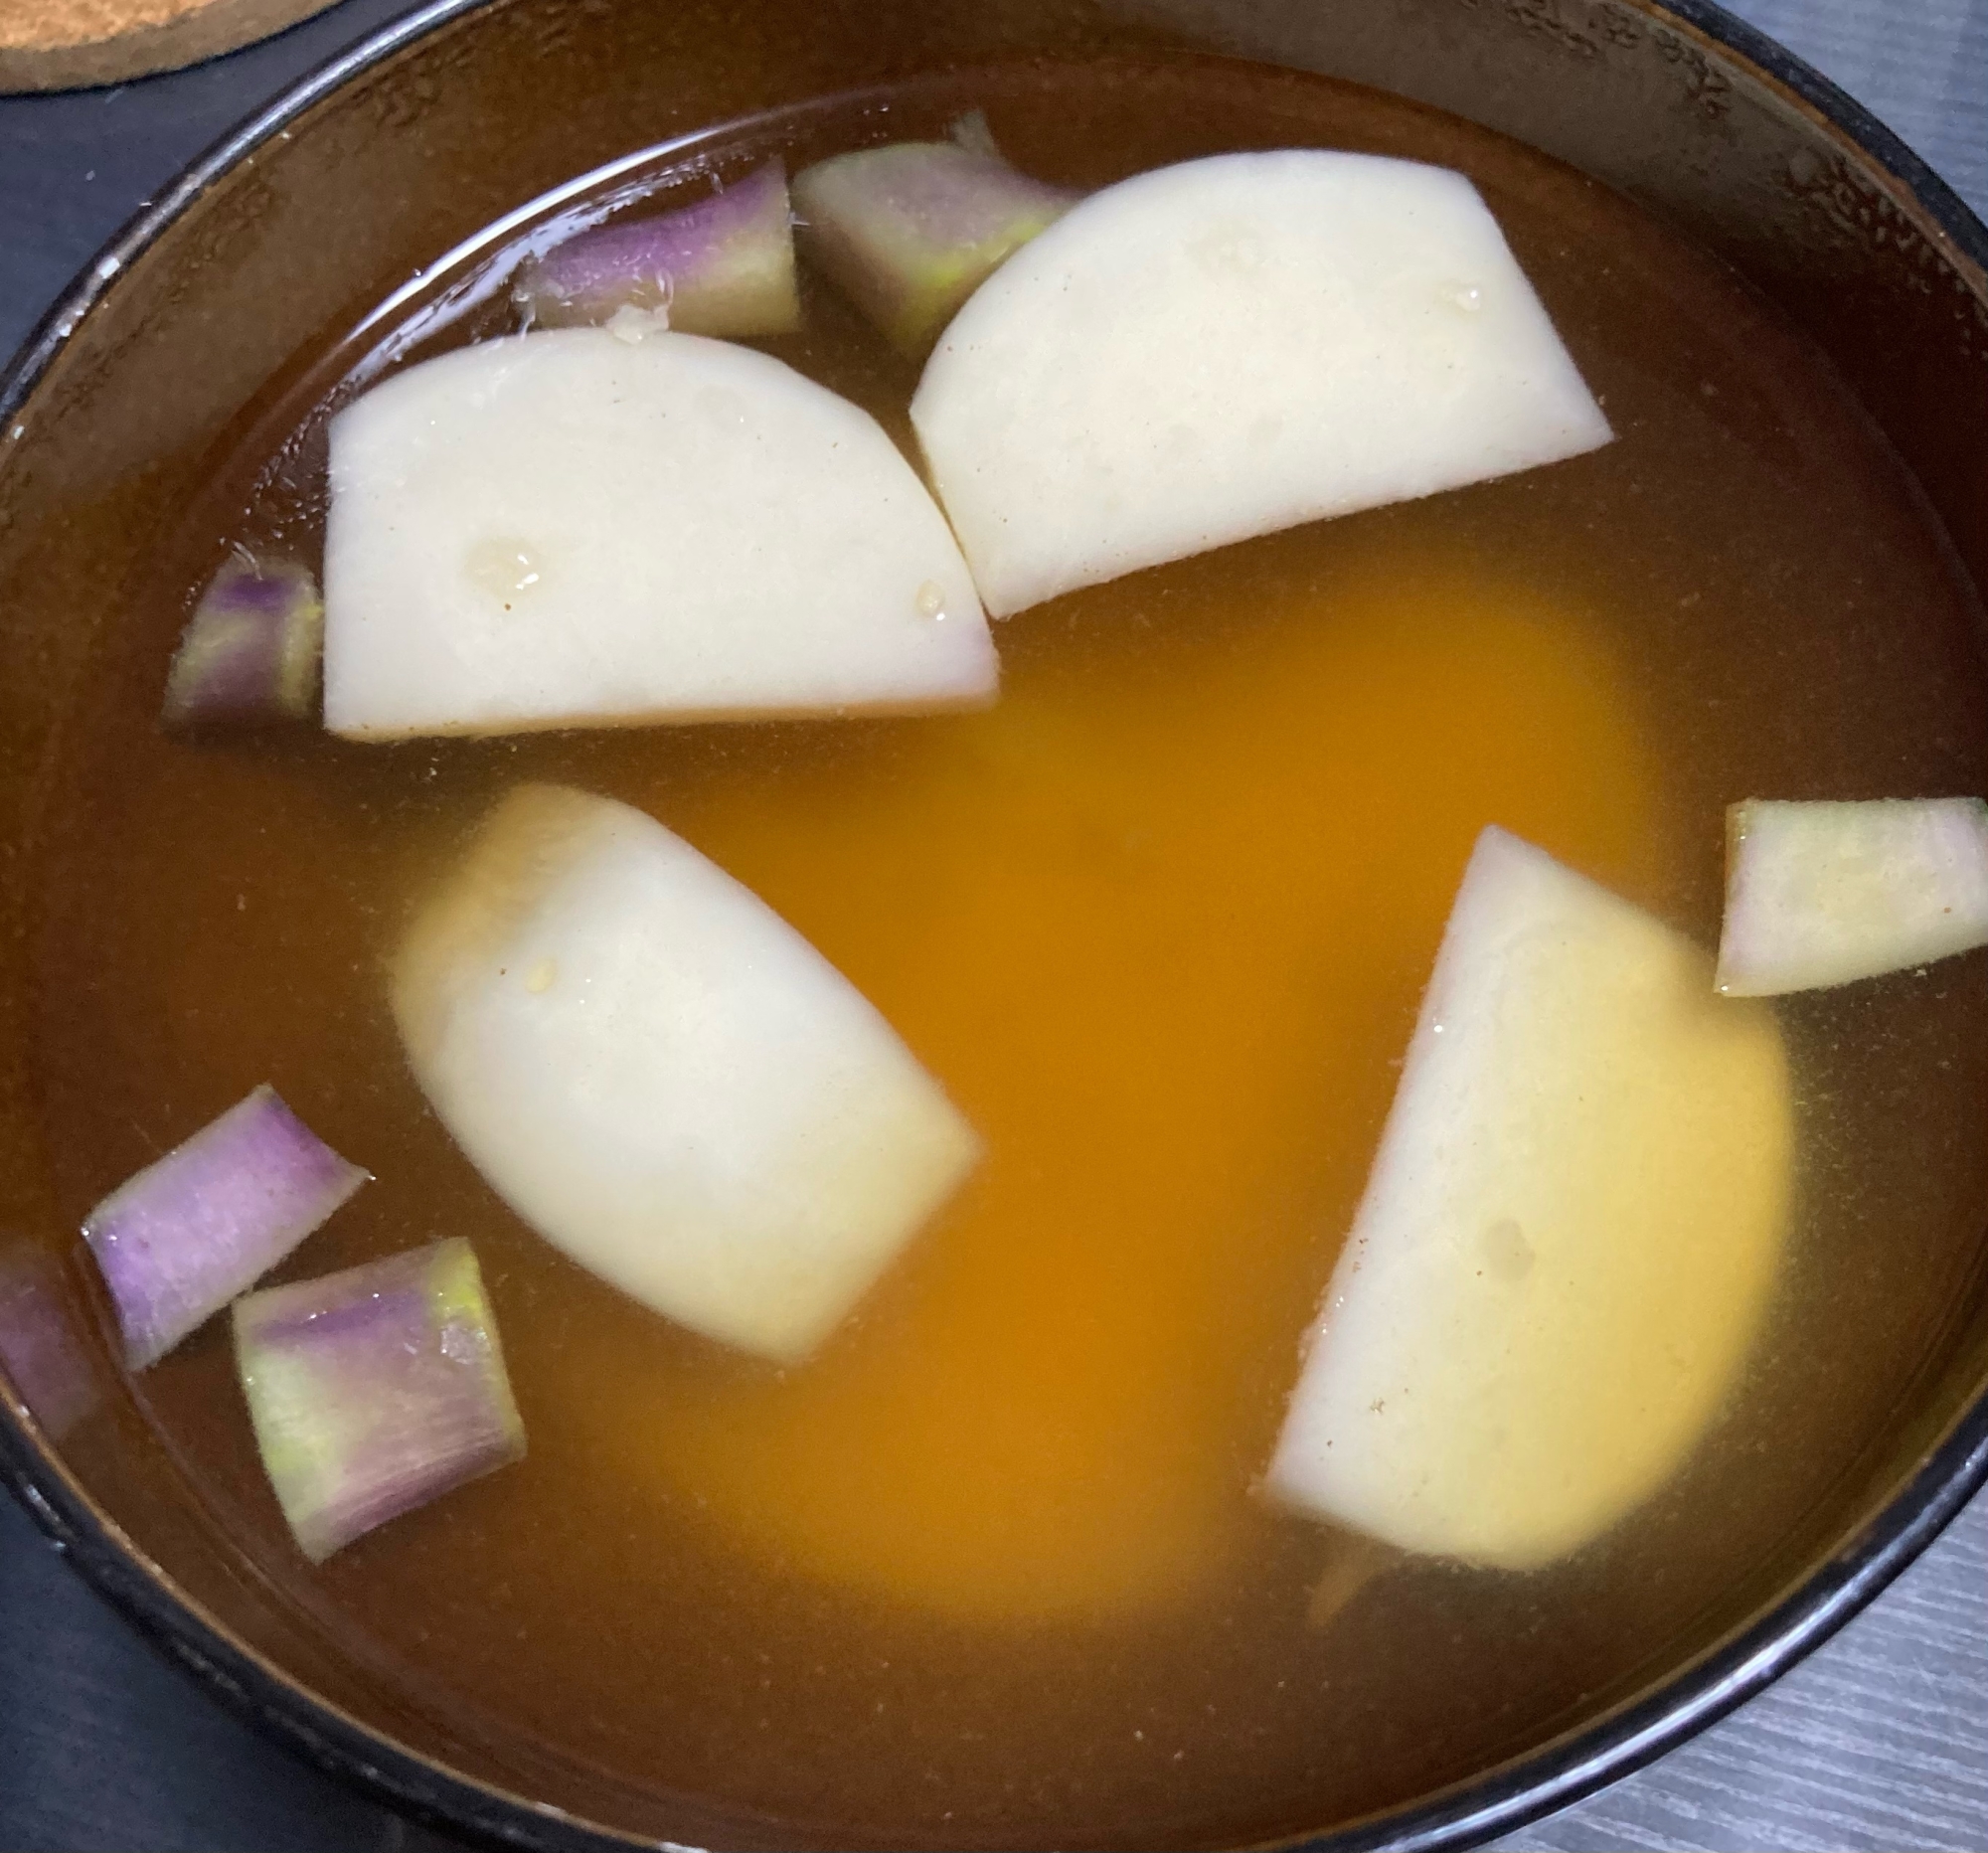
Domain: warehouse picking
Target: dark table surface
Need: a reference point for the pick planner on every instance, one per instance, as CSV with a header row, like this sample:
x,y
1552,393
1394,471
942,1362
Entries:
x,y
1880,1741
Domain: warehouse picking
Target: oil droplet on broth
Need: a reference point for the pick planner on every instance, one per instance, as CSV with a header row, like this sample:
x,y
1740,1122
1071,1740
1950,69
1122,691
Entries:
x,y
1055,1404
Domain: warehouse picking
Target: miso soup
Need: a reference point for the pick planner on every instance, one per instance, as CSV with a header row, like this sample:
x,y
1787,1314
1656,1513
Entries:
x,y
990,1569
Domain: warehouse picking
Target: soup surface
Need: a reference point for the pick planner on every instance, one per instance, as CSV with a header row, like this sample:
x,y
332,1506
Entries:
x,y
989,1571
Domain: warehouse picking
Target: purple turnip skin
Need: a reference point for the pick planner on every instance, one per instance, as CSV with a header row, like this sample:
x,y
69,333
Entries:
x,y
724,267
251,653
41,1347
375,1391
186,1235
910,231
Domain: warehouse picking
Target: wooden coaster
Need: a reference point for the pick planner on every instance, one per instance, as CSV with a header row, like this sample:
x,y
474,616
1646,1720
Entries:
x,y
66,45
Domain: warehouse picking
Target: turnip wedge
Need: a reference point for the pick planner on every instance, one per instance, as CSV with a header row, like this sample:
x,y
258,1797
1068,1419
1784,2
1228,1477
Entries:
x,y
375,1391
186,1235
664,1078
1820,894
1569,1238
1232,346
910,231
724,267
250,653
572,529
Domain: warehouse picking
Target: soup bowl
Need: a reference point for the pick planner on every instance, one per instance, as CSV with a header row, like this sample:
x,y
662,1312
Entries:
x,y
182,336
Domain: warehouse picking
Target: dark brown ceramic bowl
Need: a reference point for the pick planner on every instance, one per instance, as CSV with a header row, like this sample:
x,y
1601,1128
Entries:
x,y
289,233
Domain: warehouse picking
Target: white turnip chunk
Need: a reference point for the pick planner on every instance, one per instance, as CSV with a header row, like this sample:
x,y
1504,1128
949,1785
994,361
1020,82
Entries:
x,y
1232,346
1568,1238
571,528
1819,893
664,1078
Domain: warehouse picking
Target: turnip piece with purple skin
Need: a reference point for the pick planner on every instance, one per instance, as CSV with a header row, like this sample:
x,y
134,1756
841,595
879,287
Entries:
x,y
251,652
724,267
908,232
186,1235
41,1343
375,1391
1824,892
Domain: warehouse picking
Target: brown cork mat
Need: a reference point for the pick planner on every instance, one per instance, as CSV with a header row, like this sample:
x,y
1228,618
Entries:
x,y
63,45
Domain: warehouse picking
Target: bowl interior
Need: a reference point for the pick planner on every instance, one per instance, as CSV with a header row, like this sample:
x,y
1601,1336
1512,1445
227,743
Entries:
x,y
197,334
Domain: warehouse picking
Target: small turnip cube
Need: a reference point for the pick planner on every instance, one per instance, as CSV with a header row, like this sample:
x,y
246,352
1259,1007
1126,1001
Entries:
x,y
1821,893
375,1391
249,654
910,231
180,1238
724,267
41,1346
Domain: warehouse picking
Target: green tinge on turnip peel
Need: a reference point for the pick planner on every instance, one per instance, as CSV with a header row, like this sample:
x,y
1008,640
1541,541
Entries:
x,y
724,267
251,652
908,232
375,1391
1823,892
